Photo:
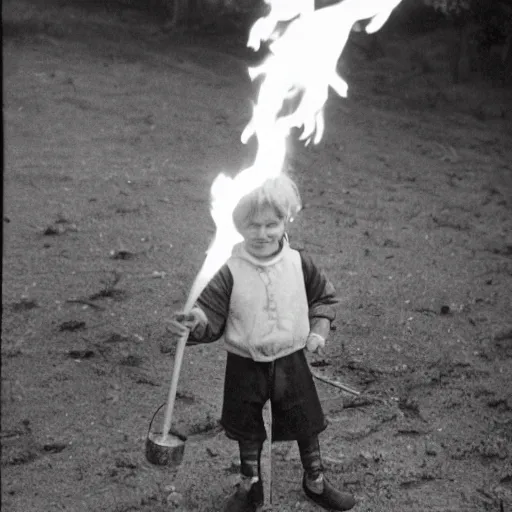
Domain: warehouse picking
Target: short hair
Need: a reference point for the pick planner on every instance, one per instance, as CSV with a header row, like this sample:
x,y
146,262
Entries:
x,y
280,193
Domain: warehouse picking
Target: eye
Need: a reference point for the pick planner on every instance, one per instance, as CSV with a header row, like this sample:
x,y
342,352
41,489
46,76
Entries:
x,y
272,225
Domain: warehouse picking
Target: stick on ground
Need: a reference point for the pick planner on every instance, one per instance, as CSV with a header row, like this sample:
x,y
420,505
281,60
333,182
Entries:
x,y
336,384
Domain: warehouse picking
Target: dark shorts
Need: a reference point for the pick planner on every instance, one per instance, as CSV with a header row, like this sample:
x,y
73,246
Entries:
x,y
287,382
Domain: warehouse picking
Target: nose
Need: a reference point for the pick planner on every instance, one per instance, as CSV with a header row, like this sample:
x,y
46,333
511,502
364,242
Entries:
x,y
262,232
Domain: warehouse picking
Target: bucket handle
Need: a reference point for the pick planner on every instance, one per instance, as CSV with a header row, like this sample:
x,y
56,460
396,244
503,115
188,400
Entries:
x,y
174,432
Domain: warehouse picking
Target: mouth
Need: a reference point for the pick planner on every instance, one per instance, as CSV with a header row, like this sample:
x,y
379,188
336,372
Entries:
x,y
260,246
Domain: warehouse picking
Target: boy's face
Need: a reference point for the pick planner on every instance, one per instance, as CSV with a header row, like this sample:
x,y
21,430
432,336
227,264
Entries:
x,y
263,232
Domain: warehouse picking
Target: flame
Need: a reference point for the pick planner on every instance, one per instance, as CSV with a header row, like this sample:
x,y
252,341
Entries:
x,y
303,61
285,10
302,66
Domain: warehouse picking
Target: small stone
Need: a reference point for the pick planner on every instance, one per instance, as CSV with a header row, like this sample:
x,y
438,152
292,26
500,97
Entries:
x,y
175,498
365,454
431,449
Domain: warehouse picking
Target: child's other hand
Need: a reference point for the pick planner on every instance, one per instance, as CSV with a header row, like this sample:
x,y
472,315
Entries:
x,y
315,343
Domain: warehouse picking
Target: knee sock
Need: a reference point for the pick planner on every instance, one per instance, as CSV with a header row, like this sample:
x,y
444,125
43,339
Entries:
x,y
250,455
311,459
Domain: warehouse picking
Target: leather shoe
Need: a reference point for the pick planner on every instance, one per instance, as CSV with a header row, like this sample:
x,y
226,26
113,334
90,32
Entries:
x,y
330,498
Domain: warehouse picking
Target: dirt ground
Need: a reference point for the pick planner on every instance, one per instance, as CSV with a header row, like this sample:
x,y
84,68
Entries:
x,y
114,129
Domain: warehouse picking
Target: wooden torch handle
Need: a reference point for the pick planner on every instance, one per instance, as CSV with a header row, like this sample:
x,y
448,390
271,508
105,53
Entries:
x,y
171,397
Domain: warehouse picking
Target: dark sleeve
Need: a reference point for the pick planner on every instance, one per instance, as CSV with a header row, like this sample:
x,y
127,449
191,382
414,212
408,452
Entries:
x,y
319,290
214,302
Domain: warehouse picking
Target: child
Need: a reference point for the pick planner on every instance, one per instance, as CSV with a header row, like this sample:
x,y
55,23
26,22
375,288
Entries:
x,y
268,302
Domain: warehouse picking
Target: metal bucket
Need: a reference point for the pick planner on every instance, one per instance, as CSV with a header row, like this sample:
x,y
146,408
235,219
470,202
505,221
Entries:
x,y
164,450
